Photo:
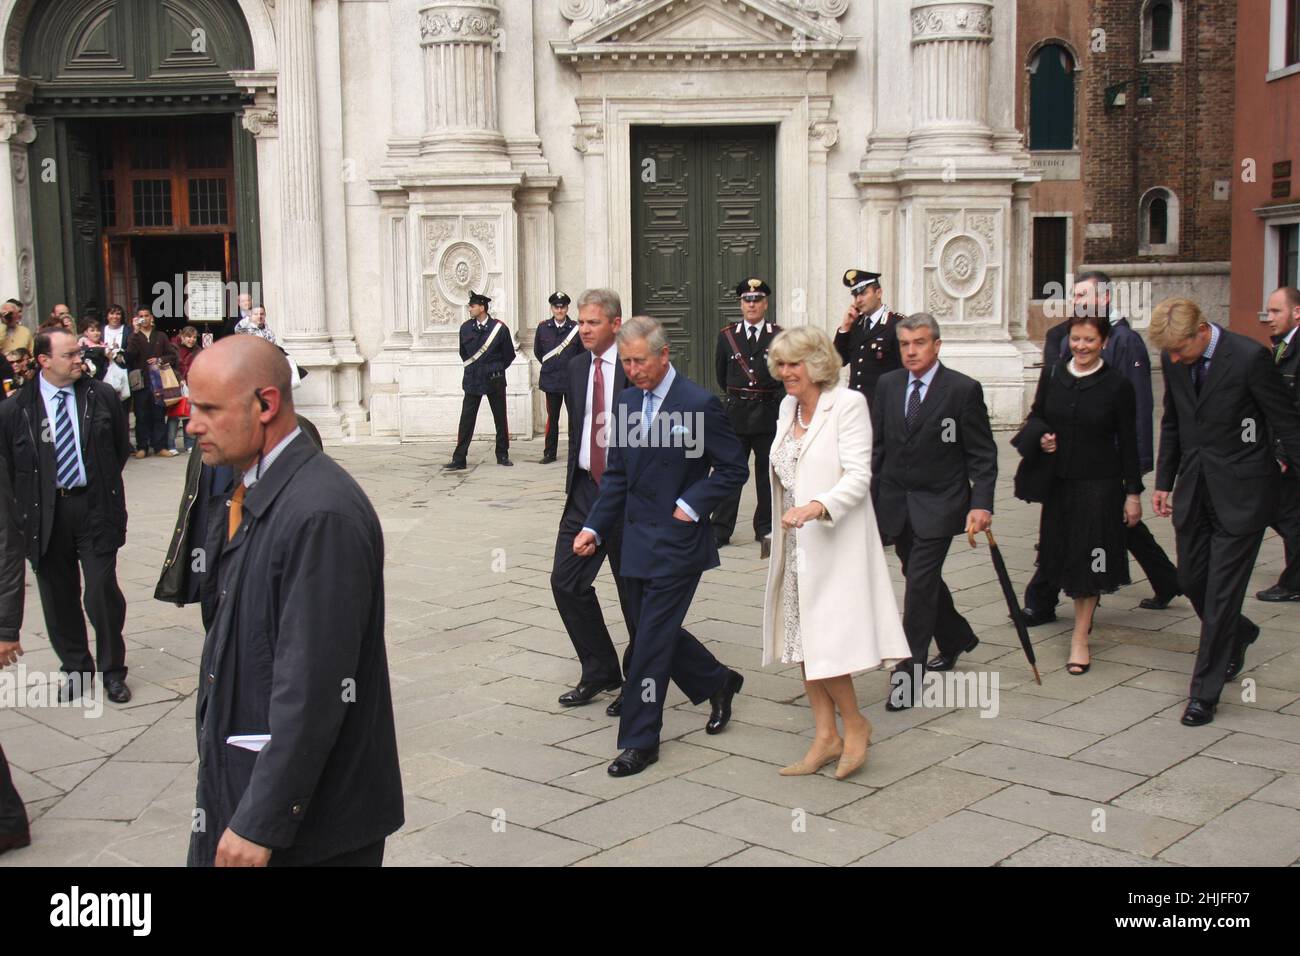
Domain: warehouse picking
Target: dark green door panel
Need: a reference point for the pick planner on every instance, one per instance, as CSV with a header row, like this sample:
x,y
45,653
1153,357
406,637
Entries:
x,y
703,219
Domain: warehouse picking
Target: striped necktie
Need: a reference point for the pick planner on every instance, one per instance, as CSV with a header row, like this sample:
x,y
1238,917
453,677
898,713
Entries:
x,y
67,471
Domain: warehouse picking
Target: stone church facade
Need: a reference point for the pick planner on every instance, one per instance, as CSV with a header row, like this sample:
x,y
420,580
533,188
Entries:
x,y
398,154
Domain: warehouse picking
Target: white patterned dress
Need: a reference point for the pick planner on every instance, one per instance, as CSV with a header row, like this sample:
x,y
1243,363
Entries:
x,y
785,459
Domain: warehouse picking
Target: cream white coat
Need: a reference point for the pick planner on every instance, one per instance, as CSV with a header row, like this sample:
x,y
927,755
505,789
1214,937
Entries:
x,y
849,618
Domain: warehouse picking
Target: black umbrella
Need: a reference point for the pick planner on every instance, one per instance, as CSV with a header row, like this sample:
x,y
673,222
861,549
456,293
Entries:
x,y
1013,603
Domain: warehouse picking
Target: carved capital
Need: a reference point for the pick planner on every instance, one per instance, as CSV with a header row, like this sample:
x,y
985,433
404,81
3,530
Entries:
x,y
17,128
587,136
824,133
260,122
459,22
935,22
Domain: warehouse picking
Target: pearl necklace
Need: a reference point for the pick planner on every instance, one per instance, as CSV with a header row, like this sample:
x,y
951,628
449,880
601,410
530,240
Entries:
x,y
798,416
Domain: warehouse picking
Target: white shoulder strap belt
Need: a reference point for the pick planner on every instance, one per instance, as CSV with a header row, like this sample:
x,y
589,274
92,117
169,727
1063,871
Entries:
x,y
486,345
561,347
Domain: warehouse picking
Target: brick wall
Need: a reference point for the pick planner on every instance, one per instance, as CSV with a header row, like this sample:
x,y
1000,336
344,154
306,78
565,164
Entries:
x,y
1183,141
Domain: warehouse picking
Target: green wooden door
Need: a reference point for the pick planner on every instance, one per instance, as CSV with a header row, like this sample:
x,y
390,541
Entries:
x,y
703,219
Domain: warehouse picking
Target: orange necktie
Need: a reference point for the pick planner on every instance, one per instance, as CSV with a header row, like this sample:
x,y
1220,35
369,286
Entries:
x,y
236,511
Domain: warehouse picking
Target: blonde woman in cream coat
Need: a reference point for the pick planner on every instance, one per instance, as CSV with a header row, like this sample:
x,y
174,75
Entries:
x,y
830,605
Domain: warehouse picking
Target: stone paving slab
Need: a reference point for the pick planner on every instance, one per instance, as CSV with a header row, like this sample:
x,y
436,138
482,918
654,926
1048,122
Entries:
x,y
496,772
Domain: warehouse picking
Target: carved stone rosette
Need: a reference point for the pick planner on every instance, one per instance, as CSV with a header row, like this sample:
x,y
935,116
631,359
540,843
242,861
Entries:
x,y
458,254
963,264
459,40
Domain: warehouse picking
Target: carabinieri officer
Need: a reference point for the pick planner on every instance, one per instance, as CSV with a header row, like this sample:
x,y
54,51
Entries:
x,y
487,352
553,345
867,339
752,399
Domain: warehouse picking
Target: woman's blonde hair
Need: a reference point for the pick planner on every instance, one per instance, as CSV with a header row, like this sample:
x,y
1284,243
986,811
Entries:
x,y
1173,321
811,346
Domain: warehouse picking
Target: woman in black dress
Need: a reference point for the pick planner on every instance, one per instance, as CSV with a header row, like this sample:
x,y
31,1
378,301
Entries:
x,y
1089,412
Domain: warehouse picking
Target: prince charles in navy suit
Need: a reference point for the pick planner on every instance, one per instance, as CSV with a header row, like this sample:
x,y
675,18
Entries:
x,y
672,459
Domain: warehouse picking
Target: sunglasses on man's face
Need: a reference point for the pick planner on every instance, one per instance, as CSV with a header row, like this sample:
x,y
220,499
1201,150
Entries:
x,y
752,297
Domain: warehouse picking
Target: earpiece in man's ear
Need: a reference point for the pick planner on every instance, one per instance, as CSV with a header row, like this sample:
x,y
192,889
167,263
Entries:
x,y
261,401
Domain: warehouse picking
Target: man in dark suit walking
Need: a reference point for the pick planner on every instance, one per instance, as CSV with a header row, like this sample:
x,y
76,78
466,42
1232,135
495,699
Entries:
x,y
486,351
554,344
1283,319
934,465
65,442
672,459
593,384
753,400
1218,478
1126,352
294,656
867,339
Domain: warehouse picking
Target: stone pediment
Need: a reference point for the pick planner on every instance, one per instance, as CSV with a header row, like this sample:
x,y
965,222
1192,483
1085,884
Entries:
x,y
779,32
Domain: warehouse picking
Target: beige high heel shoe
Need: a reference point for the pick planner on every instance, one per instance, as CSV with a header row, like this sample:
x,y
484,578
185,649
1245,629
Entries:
x,y
804,767
849,765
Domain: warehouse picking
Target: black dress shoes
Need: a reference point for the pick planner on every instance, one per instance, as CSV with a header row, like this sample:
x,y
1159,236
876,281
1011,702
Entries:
x,y
455,466
1157,603
615,708
721,702
942,662
633,761
1278,593
584,692
117,690
1034,618
1198,712
1238,659
902,687
505,462
72,687
547,459
764,548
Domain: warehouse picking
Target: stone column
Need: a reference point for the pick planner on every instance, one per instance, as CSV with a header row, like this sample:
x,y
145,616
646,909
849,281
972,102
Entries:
x,y
303,248
950,65
458,39
17,269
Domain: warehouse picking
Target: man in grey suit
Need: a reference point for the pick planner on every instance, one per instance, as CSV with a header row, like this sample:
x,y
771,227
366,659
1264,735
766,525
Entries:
x,y
934,465
294,654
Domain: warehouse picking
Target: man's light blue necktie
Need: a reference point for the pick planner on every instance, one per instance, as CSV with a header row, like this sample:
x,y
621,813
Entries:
x,y
647,412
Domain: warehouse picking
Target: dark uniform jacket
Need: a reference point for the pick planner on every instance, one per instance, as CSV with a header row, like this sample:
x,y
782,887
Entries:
x,y
1202,436
869,352
753,407
944,467
31,465
554,378
184,566
296,651
488,373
